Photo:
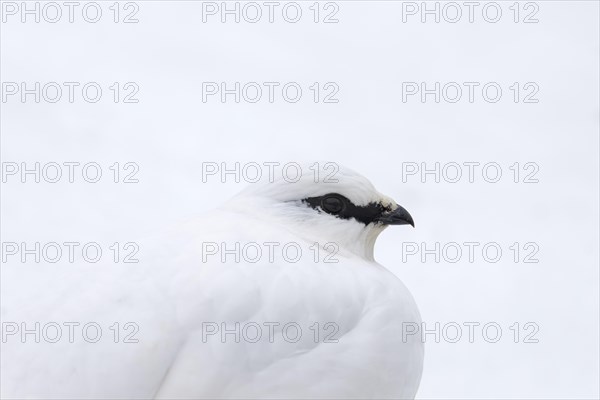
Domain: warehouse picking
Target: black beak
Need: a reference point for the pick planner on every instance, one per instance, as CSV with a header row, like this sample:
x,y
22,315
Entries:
x,y
398,216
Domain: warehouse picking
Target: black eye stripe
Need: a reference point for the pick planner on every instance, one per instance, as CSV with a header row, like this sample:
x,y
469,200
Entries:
x,y
365,214
333,204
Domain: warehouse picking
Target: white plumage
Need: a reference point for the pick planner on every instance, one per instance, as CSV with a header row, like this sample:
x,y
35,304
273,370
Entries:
x,y
176,298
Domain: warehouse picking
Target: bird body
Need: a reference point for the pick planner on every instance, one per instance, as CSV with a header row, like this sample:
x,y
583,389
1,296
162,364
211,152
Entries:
x,y
266,297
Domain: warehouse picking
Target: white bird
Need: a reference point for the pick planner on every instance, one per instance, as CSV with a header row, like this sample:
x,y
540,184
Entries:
x,y
216,319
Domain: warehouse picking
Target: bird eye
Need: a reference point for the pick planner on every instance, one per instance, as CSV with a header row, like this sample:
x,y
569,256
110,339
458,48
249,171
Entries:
x,y
332,204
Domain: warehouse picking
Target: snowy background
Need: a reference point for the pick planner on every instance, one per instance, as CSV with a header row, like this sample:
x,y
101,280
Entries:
x,y
368,53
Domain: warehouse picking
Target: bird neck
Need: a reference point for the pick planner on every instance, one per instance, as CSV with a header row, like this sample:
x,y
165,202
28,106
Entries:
x,y
349,236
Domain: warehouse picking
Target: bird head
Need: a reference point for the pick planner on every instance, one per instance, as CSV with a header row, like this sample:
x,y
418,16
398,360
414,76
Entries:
x,y
326,202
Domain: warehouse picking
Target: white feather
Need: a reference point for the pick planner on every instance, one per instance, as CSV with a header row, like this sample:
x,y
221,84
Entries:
x,y
172,295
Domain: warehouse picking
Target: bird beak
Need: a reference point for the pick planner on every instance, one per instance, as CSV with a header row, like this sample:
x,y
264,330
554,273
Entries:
x,y
398,216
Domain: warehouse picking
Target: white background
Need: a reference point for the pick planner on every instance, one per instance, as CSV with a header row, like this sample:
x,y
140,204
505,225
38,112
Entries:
x,y
170,132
